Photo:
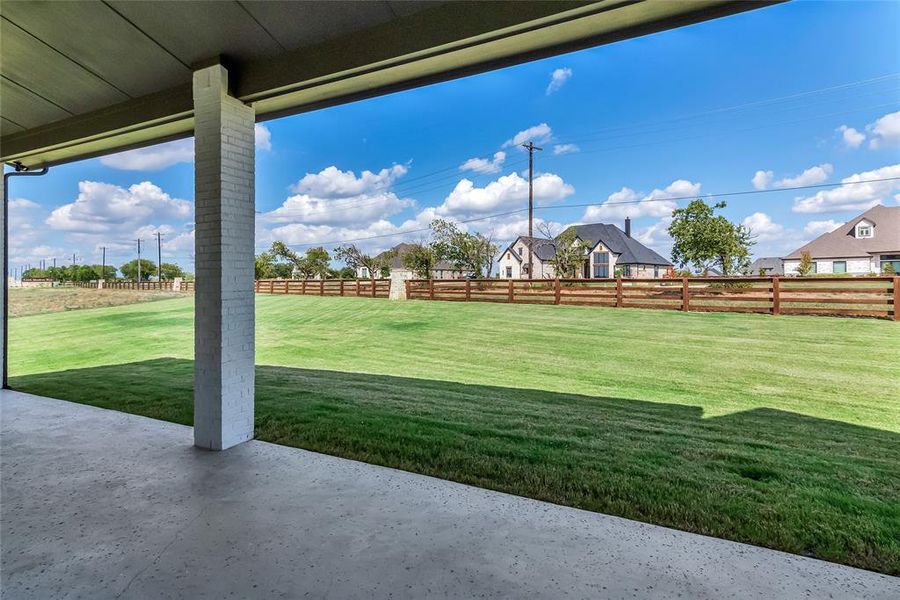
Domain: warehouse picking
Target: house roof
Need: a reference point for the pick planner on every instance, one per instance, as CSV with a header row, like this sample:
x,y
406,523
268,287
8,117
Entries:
x,y
630,250
769,263
543,248
842,243
397,260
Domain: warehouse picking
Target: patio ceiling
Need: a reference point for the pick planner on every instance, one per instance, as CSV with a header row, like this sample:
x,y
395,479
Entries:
x,y
81,79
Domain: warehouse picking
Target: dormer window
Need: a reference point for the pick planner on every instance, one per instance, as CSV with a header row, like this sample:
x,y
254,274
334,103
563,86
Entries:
x,y
864,229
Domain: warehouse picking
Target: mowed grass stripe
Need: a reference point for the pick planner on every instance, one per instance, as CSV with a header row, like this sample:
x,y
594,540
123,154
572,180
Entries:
x,y
782,432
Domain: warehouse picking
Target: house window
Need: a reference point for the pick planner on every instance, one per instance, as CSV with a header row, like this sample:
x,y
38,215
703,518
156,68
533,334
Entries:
x,y
890,259
364,272
601,265
655,271
839,266
522,251
626,270
863,230
509,272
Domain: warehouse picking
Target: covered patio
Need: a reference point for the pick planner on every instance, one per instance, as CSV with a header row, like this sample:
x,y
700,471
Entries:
x,y
100,504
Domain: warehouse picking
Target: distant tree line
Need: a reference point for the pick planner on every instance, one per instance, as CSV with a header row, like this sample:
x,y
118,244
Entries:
x,y
129,270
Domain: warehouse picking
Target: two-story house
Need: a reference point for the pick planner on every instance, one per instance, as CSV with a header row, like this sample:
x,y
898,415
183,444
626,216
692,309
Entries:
x,y
613,252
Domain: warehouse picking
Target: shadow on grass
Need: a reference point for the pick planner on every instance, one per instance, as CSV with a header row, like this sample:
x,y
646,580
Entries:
x,y
768,477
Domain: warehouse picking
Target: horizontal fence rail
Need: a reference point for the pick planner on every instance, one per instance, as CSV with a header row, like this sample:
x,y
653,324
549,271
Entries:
x,y
184,286
366,288
836,296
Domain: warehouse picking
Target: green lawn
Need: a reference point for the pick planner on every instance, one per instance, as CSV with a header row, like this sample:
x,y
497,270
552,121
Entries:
x,y
778,431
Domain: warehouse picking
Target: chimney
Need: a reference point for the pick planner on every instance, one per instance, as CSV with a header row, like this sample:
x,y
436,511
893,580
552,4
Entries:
x,y
628,226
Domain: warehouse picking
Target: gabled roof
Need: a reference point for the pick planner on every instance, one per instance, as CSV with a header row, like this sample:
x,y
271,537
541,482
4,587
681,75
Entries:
x,y
544,249
769,263
842,242
630,250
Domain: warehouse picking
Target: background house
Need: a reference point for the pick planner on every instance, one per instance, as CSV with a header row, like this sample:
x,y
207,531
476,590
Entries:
x,y
864,244
766,267
613,252
443,270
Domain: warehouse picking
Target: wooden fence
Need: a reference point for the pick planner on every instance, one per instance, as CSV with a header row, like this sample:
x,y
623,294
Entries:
x,y
186,286
837,296
370,288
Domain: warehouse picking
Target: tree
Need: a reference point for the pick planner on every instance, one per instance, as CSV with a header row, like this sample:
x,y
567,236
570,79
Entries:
x,y
314,263
706,240
888,268
806,265
468,252
356,258
422,258
170,271
569,251
129,269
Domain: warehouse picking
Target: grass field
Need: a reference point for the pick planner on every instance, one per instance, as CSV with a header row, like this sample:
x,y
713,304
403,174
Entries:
x,y
778,431
35,301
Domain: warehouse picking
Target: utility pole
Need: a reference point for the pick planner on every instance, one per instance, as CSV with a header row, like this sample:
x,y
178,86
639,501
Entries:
x,y
531,148
139,262
159,257
103,264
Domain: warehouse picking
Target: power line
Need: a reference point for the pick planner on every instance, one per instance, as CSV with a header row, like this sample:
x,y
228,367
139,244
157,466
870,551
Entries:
x,y
624,202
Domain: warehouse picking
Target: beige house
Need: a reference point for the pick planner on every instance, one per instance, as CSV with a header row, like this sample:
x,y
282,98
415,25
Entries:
x,y
865,244
613,252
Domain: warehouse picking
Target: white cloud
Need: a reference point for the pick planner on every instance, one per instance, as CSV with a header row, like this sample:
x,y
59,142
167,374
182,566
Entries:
x,y
557,79
337,197
811,176
885,131
161,156
154,158
628,203
559,149
22,203
331,182
763,179
485,165
262,137
763,228
858,197
539,134
814,229
104,208
656,236
506,192
852,138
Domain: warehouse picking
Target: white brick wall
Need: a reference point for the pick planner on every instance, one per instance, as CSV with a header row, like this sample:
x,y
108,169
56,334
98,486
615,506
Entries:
x,y
224,244
2,241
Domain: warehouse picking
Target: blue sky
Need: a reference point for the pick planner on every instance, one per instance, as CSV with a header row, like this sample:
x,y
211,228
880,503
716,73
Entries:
x,y
795,94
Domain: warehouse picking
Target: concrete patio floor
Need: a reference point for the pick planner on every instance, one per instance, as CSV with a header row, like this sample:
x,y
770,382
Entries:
x,y
100,504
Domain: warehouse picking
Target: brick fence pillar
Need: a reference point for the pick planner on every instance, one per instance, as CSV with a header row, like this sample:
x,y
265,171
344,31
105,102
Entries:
x,y
224,158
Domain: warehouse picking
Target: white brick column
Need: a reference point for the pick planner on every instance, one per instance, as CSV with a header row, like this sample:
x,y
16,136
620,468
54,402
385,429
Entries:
x,y
3,242
224,241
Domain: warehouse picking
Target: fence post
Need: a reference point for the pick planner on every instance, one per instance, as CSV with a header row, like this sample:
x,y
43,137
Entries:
x,y
271,286
511,292
896,297
374,284
357,288
342,287
557,291
406,284
618,292
685,294
468,289
431,289
321,287
776,296
257,286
